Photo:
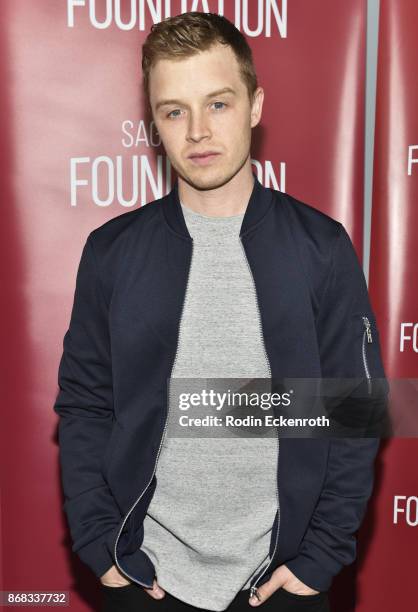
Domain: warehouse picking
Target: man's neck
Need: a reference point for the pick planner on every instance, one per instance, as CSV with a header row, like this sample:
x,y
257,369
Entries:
x,y
225,201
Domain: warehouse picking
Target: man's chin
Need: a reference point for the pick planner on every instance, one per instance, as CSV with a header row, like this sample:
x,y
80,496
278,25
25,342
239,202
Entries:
x,y
204,180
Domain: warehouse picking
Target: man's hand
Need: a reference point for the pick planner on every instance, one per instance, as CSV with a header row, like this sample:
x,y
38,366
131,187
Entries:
x,y
281,577
156,592
114,578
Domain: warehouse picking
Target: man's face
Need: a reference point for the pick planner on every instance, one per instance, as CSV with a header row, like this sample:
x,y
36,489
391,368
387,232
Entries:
x,y
192,119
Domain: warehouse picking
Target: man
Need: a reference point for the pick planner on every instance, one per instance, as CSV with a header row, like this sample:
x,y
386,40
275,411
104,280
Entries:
x,y
221,278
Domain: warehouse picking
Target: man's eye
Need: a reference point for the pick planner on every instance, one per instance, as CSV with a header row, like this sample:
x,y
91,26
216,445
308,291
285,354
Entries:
x,y
176,112
223,104
173,111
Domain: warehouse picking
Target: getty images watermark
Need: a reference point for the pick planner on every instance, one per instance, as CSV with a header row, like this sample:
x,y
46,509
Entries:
x,y
290,407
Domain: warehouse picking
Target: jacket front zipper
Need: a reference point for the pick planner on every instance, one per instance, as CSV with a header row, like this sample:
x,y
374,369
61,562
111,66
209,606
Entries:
x,y
149,586
253,587
367,332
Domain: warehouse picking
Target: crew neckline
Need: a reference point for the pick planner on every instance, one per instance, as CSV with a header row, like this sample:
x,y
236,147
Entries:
x,y
197,215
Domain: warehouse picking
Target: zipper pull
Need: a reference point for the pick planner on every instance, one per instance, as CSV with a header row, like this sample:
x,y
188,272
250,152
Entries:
x,y
254,593
368,330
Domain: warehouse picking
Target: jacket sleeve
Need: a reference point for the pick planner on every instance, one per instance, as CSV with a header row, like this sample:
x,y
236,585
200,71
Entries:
x,y
85,408
330,542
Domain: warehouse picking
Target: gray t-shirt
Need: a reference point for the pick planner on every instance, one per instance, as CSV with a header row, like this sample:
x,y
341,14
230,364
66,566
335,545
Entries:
x,y
208,526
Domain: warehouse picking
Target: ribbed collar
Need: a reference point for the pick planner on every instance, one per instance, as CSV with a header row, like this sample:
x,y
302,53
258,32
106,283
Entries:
x,y
261,199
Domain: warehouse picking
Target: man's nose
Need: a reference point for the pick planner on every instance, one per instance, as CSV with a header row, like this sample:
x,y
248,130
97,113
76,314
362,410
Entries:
x,y
198,127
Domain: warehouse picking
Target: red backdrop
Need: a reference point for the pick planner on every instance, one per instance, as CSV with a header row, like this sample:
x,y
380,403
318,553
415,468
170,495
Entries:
x,y
79,148
387,579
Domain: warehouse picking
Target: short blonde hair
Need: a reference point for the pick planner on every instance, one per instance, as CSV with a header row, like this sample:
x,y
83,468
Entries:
x,y
187,34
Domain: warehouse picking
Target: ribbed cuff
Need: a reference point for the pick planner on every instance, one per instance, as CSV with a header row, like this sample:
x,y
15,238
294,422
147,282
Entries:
x,y
96,556
310,573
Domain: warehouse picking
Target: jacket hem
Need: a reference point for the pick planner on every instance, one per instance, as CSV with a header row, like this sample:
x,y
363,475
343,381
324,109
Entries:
x,y
96,556
310,573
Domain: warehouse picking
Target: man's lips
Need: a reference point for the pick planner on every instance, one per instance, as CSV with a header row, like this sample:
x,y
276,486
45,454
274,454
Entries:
x,y
202,159
204,154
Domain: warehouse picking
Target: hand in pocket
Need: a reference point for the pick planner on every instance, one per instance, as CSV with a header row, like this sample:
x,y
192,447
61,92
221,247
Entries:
x,y
114,578
156,592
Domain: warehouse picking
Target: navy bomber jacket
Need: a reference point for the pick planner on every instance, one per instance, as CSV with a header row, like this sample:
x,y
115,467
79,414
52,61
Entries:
x,y
120,347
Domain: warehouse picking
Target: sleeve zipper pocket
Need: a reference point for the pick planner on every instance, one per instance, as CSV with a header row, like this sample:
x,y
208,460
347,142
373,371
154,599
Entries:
x,y
366,334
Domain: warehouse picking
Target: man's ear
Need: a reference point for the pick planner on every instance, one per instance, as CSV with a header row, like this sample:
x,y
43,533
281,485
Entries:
x,y
257,106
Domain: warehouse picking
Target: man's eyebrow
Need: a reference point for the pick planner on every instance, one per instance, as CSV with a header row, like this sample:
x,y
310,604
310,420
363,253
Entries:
x,y
218,92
